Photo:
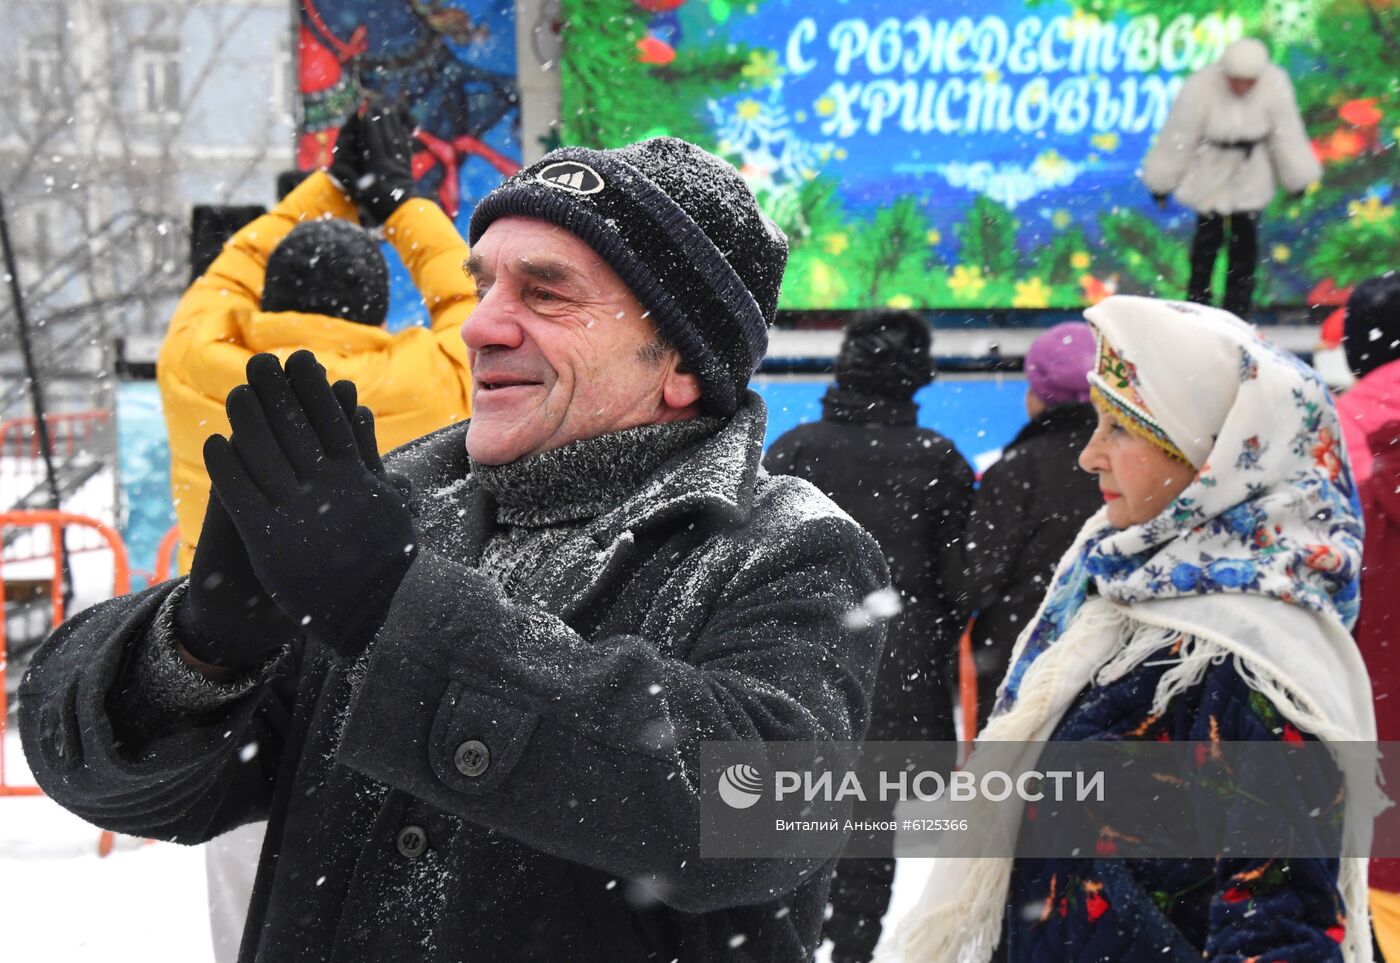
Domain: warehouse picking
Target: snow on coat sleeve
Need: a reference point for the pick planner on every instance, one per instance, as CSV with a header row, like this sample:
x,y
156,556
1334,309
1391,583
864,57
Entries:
x,y
1175,148
593,742
1292,153
188,786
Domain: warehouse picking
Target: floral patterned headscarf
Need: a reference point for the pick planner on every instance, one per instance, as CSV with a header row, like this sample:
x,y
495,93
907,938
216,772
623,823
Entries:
x,y
1273,510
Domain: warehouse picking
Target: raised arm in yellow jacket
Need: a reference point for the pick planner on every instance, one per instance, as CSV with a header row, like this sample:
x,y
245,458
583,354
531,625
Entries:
x,y
415,381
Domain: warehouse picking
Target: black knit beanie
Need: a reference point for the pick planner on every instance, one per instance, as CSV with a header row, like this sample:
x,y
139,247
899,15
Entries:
x,y
886,352
1371,334
328,267
682,230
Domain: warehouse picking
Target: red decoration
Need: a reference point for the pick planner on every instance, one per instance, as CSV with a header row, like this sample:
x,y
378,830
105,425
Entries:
x,y
654,51
1361,113
1338,933
1236,895
438,151
1326,292
658,6
314,149
1095,906
320,69
1333,329
1361,134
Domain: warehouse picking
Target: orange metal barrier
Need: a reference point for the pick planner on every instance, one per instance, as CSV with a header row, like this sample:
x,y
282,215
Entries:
x,y
19,437
56,522
165,552
967,685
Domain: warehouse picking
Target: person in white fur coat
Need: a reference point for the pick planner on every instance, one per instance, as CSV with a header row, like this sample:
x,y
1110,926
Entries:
x,y
1233,136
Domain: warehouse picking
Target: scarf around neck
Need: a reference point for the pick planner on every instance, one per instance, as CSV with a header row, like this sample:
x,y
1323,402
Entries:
x,y
584,478
1273,512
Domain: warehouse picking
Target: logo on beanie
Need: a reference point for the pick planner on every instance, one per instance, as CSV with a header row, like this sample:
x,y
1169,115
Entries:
x,y
571,176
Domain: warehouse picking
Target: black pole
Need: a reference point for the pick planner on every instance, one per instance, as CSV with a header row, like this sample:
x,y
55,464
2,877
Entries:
x,y
31,371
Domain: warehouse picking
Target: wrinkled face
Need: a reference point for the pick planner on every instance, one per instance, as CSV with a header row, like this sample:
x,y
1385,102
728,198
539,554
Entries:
x,y
1240,86
560,348
1137,478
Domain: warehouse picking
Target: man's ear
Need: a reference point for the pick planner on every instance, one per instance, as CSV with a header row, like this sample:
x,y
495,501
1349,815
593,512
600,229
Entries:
x,y
681,389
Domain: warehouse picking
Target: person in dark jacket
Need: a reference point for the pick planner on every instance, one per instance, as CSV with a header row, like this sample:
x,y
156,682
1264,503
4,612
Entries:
x,y
1030,504
909,487
475,727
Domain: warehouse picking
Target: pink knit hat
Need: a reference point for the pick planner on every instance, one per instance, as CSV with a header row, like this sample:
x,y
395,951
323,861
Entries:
x,y
1058,363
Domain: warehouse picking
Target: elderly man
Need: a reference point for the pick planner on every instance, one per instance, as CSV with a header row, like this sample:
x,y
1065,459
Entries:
x,y
482,741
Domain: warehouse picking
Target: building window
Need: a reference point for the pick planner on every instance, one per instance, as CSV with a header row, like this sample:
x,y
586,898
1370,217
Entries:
x,y
158,80
39,78
283,83
162,246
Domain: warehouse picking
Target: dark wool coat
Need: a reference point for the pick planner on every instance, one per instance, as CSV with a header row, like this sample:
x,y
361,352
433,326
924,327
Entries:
x,y
908,487
1026,513
510,779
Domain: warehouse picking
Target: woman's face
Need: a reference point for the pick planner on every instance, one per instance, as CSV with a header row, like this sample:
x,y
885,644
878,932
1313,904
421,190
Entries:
x,y
1138,479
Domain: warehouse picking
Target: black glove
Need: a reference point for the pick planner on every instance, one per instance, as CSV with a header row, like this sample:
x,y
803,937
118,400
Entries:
x,y
347,156
226,618
329,534
386,157
1161,199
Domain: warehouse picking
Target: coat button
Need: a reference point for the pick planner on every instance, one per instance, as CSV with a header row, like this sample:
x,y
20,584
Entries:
x,y
472,757
412,841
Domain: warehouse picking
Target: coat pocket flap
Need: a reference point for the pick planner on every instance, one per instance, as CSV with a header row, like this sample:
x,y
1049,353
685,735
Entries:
x,y
477,739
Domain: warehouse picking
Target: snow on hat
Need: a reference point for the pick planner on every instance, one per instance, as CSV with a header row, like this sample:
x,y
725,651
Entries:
x,y
1245,59
1058,363
685,234
329,267
1371,330
1171,369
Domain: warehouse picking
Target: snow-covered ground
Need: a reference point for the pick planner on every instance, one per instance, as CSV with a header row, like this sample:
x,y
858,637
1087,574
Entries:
x,y
61,901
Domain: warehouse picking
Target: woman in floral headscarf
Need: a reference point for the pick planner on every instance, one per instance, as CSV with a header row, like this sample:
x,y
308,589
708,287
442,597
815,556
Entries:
x,y
1210,599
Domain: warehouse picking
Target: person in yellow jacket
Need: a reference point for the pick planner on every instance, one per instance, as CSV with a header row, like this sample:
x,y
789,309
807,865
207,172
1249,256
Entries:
x,y
305,276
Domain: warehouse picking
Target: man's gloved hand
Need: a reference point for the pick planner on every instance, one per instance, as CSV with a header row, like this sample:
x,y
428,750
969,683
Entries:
x,y
329,534
347,156
386,157
226,617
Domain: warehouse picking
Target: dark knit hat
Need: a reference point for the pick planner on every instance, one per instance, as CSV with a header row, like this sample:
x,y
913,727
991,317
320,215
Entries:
x,y
886,352
682,230
1371,334
328,267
